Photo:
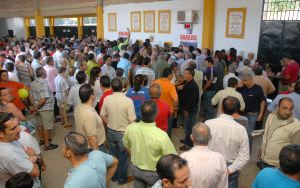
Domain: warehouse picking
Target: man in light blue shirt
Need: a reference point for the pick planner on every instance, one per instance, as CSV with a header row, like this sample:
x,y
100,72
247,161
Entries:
x,y
125,64
295,96
287,176
92,170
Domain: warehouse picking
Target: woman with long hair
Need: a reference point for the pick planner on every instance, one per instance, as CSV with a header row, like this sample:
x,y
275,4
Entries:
x,y
139,94
94,81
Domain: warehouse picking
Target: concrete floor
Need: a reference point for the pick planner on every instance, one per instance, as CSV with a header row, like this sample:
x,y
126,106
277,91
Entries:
x,y
57,166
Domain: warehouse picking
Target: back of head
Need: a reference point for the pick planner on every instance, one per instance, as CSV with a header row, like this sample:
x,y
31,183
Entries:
x,y
289,159
297,87
22,48
192,64
61,70
126,55
39,72
201,134
119,72
85,92
9,66
232,68
81,77
229,105
48,60
258,71
167,166
137,82
148,111
77,143
117,85
232,82
105,81
209,60
155,91
22,58
90,56
247,62
20,180
167,72
146,61
36,54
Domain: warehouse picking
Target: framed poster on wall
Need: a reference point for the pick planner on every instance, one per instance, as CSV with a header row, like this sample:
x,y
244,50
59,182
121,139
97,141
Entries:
x,y
112,22
149,21
164,21
135,18
235,24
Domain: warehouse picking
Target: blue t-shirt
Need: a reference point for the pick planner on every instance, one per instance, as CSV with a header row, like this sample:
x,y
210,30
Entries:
x,y
138,99
125,65
274,178
91,173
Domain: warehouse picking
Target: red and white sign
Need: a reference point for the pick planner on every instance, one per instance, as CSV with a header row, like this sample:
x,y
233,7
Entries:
x,y
123,33
190,38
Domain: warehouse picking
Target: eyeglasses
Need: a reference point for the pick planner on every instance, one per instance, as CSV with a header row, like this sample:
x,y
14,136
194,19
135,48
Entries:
x,y
67,137
5,118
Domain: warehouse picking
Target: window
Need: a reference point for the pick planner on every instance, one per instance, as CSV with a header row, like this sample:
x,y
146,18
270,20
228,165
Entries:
x,y
46,22
88,21
65,22
281,10
32,22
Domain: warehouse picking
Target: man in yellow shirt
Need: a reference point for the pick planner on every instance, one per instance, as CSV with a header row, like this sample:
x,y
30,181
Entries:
x,y
146,144
91,63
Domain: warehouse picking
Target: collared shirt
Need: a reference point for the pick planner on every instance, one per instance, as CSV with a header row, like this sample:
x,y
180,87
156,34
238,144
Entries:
x,y
184,65
159,67
201,63
296,100
109,71
221,95
61,86
265,83
158,184
164,112
90,65
147,144
73,98
89,123
13,77
226,78
51,74
35,64
208,168
125,64
168,91
190,97
180,62
40,90
278,133
231,140
120,111
148,72
253,97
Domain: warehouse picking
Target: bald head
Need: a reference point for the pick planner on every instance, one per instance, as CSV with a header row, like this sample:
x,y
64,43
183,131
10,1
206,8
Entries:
x,y
201,134
155,91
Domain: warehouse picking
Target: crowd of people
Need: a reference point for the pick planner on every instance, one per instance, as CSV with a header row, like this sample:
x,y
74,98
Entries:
x,y
126,98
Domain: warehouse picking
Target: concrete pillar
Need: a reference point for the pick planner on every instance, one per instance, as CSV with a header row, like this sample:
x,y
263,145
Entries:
x,y
100,24
208,24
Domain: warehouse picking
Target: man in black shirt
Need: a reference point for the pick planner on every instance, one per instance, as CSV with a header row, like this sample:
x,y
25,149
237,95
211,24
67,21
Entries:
x,y
254,98
189,102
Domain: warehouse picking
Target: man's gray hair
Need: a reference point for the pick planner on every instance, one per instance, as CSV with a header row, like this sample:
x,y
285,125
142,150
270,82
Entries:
x,y
232,68
77,143
201,134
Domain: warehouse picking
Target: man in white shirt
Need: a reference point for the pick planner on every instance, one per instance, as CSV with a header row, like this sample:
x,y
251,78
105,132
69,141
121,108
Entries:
x,y
208,168
73,98
229,91
11,75
230,139
57,55
231,73
146,70
107,69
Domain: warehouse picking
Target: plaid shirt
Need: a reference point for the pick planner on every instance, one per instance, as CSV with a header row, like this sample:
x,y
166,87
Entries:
x,y
40,90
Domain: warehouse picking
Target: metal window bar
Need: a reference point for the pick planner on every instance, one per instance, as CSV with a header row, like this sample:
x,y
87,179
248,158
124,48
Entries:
x,y
281,10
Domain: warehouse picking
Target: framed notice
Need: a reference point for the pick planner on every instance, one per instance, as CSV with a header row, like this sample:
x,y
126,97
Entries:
x,y
112,22
164,21
235,24
149,21
135,18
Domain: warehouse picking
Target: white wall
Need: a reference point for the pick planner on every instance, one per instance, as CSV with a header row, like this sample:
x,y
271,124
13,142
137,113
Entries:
x,y
16,24
252,29
123,20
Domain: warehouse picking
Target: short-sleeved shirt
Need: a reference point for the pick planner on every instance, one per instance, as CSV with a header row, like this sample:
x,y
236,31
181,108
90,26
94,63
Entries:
x,y
291,69
61,86
14,87
271,177
23,73
89,123
211,74
109,71
164,112
138,99
105,94
120,111
125,65
147,144
91,173
73,98
51,74
13,160
148,72
90,65
253,97
40,90
168,91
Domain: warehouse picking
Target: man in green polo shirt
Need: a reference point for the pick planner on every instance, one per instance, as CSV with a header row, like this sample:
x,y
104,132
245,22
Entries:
x,y
146,144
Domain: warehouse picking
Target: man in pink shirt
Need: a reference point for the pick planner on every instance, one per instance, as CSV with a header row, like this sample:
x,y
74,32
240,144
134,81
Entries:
x,y
51,74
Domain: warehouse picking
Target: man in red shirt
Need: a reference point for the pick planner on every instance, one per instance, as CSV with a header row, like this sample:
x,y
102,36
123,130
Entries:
x,y
105,86
164,110
289,74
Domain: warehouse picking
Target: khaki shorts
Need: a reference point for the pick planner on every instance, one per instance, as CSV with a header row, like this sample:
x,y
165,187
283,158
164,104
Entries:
x,y
46,119
63,105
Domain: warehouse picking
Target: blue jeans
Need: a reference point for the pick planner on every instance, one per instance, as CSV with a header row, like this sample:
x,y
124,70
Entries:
x,y
189,123
251,125
233,180
208,107
118,150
